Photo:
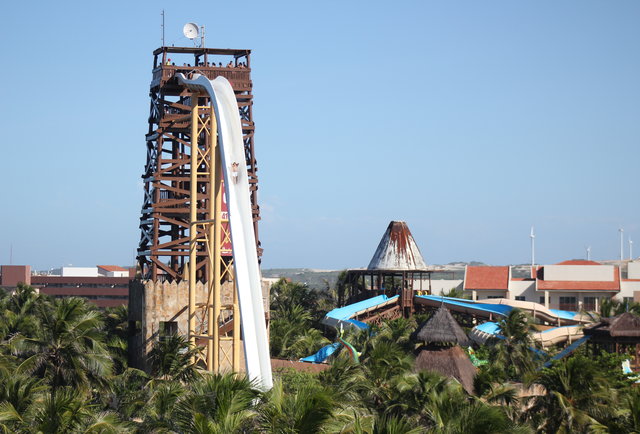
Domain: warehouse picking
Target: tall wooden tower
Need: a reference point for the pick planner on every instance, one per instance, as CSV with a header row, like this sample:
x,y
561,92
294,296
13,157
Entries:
x,y
186,280
164,223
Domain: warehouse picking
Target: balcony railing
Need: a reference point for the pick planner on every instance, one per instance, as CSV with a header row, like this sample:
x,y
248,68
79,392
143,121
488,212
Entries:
x,y
239,77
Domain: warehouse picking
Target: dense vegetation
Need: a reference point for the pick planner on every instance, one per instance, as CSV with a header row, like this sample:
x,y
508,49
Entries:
x,y
63,369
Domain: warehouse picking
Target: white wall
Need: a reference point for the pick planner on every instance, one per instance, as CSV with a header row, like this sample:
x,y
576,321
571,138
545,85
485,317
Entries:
x,y
628,289
79,272
439,286
580,273
523,288
633,270
483,294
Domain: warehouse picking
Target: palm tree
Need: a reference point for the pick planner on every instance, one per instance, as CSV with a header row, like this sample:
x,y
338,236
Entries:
x,y
66,411
19,312
292,334
219,403
611,307
512,353
116,324
382,361
284,294
384,424
398,330
128,394
161,413
631,411
578,397
172,358
477,417
307,410
306,343
68,348
18,392
346,378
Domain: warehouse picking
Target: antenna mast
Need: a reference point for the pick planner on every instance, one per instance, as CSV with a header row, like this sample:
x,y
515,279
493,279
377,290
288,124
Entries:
x,y
533,247
162,26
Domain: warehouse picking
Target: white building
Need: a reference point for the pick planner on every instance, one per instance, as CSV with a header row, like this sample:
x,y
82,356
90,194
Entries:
x,y
112,271
570,285
79,272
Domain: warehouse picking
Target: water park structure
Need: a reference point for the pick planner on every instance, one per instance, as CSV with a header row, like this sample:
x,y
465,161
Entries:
x,y
393,285
198,256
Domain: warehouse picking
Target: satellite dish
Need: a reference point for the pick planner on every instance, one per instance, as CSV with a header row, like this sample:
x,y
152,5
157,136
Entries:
x,y
190,30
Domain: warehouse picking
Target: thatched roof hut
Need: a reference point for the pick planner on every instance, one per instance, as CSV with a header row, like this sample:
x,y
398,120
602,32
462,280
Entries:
x,y
616,334
452,362
438,333
442,328
626,325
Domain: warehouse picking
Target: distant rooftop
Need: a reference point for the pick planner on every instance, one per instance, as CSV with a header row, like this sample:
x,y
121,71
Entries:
x,y
487,277
111,268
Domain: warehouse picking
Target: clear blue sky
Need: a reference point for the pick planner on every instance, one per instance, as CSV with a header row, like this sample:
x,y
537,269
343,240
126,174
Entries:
x,y
470,120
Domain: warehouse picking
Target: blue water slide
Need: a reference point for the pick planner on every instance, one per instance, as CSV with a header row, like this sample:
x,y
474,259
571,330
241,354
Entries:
x,y
322,354
570,349
459,304
343,316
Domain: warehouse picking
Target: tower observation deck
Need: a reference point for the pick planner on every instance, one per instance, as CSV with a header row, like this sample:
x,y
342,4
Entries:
x,y
163,251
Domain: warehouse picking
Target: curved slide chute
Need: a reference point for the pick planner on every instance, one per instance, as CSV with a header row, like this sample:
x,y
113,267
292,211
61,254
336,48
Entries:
x,y
342,317
245,257
481,333
501,307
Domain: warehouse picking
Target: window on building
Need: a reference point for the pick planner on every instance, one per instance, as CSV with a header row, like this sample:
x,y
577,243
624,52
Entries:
x,y
568,303
495,296
167,328
589,303
627,300
542,299
521,298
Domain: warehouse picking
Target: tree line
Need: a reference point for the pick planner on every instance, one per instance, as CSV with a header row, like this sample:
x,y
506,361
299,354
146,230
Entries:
x,y
63,369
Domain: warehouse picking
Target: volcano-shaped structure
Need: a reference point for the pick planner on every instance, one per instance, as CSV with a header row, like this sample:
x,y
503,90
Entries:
x,y
397,250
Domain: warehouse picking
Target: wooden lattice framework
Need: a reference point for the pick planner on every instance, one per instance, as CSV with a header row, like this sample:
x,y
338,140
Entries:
x,y
363,283
163,250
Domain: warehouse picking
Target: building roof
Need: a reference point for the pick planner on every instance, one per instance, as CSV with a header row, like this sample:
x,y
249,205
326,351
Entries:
x,y
397,250
451,362
578,262
486,277
442,328
111,268
623,325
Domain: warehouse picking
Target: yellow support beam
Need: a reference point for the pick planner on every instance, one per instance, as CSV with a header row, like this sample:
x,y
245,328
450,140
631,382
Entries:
x,y
206,166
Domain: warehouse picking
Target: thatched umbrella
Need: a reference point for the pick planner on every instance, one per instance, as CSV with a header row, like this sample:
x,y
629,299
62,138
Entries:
x,y
441,354
442,328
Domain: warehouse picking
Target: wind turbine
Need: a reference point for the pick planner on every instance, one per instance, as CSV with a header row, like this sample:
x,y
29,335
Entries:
x,y
533,247
588,253
621,244
630,250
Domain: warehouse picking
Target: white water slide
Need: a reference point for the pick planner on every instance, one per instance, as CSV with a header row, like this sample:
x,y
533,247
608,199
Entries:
x,y
245,257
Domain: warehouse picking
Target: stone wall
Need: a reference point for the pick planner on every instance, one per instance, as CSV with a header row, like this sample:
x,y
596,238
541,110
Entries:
x,y
155,307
